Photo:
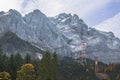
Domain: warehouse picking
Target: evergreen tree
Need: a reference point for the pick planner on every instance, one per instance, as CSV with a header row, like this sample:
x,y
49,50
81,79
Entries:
x,y
46,67
12,66
18,61
3,62
36,63
54,63
1,50
49,66
27,58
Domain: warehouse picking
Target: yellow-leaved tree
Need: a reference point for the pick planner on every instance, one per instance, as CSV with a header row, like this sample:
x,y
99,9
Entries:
x,y
4,76
26,72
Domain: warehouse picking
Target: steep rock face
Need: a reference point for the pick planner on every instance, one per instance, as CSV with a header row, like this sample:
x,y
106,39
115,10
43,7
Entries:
x,y
103,45
73,22
73,29
13,21
48,35
98,43
35,28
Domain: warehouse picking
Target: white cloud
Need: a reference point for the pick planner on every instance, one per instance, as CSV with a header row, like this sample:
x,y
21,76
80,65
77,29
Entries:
x,y
111,24
54,7
84,7
5,5
49,7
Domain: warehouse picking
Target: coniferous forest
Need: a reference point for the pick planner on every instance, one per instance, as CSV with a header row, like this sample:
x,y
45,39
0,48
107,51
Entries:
x,y
52,67
14,67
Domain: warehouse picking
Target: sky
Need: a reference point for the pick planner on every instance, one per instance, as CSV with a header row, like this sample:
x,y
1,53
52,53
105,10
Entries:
x,y
92,12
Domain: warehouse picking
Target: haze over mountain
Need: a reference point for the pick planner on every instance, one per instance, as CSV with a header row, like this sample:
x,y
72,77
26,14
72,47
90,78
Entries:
x,y
62,34
10,43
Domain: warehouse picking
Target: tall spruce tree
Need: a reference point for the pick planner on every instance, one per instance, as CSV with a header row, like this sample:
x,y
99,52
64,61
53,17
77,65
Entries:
x,y
54,63
12,67
27,58
18,61
36,63
1,51
46,67
3,62
49,66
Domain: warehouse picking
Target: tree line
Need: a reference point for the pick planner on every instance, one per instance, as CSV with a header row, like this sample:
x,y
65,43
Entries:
x,y
15,67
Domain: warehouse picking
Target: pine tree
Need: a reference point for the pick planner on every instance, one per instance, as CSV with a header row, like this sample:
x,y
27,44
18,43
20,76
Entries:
x,y
54,64
49,66
12,66
36,63
46,67
18,61
27,58
3,62
1,50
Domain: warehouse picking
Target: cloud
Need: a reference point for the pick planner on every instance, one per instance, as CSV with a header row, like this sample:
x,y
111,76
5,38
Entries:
x,y
84,7
5,5
49,7
54,7
111,24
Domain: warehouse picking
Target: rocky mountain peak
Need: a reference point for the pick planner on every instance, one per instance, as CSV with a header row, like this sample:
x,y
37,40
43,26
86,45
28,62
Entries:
x,y
14,13
36,18
2,12
63,15
75,17
36,13
63,18
68,19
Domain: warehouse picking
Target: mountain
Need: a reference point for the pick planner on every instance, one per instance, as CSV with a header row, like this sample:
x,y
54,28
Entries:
x,y
104,45
62,34
10,43
73,29
35,28
112,24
